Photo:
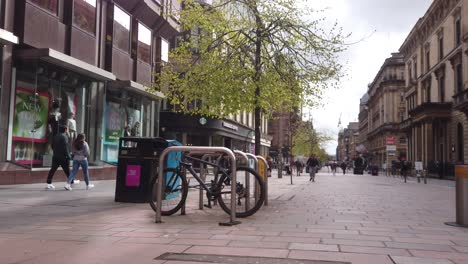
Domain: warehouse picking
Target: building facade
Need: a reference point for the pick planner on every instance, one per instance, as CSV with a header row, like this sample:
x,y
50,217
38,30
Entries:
x,y
435,57
84,64
385,113
362,142
347,142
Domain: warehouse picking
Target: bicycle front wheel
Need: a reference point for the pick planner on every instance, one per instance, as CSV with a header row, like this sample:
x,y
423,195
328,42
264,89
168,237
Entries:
x,y
250,192
174,192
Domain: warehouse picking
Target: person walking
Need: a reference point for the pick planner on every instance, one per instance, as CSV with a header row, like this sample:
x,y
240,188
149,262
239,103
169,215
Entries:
x,y
333,166
60,156
80,158
312,164
343,167
299,166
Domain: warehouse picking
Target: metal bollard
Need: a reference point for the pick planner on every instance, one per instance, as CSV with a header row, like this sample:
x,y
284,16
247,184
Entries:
x,y
461,196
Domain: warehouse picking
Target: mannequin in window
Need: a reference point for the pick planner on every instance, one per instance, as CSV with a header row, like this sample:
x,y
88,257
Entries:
x,y
135,132
54,119
71,123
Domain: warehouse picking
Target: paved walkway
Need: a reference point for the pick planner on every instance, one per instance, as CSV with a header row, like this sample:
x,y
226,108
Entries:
x,y
348,218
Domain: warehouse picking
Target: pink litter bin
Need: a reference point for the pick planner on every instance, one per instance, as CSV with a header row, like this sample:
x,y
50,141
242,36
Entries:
x,y
133,176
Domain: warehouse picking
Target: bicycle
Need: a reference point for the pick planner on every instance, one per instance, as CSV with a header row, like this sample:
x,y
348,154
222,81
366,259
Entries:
x,y
250,189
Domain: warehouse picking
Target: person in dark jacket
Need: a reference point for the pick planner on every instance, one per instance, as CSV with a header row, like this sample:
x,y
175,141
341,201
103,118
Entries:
x,y
60,157
312,164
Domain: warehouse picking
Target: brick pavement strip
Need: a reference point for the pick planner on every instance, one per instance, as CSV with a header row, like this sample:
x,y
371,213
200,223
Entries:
x,y
359,219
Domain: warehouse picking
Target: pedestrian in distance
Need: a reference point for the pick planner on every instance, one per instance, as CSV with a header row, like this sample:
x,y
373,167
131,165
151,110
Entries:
x,y
333,166
343,167
80,158
60,157
312,164
299,167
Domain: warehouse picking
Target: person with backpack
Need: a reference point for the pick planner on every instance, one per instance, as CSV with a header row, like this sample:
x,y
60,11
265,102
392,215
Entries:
x,y
80,158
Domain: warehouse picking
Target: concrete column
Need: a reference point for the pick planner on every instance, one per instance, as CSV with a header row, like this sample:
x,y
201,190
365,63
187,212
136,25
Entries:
x,y
5,92
429,143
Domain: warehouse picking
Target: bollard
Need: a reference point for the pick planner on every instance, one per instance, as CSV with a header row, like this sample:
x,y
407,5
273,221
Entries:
x,y
461,196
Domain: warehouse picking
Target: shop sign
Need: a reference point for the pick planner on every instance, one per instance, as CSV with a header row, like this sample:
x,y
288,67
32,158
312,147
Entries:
x,y
390,140
30,115
391,148
230,126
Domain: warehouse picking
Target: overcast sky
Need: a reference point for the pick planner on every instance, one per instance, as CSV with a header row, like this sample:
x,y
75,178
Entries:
x,y
383,25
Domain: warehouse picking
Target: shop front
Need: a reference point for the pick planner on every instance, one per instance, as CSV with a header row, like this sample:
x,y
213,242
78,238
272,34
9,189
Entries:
x,y
51,91
128,111
202,131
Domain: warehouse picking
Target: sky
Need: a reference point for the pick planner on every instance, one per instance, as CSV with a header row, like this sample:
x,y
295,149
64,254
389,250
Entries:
x,y
379,27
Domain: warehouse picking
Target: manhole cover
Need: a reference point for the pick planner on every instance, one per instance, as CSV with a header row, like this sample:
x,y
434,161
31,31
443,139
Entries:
x,y
239,259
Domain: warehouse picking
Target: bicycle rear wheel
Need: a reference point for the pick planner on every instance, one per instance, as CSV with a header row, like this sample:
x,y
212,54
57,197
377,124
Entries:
x,y
250,192
174,192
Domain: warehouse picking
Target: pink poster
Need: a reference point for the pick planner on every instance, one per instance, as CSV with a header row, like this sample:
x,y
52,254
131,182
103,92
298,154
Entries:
x,y
132,178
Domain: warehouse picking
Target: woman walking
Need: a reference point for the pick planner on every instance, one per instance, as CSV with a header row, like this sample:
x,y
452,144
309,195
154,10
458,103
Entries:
x,y
80,158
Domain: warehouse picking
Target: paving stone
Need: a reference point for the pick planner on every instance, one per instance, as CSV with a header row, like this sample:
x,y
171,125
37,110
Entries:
x,y
374,250
316,247
413,260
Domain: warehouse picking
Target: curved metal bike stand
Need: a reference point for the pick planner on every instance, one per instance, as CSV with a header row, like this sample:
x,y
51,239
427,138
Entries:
x,y
260,158
198,150
254,158
244,156
203,173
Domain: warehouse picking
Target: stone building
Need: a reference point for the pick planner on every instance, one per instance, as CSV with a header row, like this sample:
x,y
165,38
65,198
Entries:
x,y
362,143
347,140
435,57
384,112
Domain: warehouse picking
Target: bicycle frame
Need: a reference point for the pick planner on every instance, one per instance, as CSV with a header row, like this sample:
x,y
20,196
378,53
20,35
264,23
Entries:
x,y
205,187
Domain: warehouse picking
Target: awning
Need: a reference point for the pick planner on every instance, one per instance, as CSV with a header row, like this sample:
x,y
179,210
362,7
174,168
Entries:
x,y
68,62
6,37
137,88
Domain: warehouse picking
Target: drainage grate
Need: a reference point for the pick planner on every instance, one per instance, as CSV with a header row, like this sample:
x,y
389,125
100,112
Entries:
x,y
225,259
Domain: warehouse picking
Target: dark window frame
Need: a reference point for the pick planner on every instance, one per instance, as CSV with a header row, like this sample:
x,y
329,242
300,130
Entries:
x,y
129,31
150,48
458,32
442,88
51,12
95,19
459,78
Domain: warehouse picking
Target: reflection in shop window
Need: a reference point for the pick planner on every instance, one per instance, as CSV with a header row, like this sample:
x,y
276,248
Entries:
x,y
121,29
84,15
46,98
144,43
50,5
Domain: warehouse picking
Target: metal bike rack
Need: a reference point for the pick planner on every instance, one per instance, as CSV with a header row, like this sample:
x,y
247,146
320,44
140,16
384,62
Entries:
x,y
260,158
244,156
203,173
254,158
197,150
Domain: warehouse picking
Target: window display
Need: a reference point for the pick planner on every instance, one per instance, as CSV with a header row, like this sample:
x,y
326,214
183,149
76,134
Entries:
x,y
46,98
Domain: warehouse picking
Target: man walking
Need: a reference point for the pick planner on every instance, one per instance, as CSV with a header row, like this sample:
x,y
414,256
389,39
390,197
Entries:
x,y
61,156
312,164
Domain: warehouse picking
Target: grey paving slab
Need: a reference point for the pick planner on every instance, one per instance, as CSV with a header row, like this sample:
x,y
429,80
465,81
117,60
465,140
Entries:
x,y
356,219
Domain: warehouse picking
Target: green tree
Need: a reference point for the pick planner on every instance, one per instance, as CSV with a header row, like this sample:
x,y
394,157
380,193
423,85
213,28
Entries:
x,y
306,141
250,55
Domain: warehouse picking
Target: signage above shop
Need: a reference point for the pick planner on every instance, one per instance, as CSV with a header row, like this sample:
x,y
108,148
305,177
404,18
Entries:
x,y
202,121
230,126
390,140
